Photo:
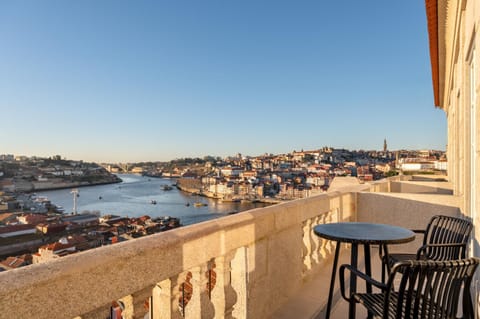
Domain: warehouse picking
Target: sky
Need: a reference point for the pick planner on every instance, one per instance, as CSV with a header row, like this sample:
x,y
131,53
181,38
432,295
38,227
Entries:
x,y
130,81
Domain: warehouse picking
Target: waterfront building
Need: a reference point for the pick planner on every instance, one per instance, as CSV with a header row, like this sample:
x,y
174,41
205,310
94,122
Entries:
x,y
137,170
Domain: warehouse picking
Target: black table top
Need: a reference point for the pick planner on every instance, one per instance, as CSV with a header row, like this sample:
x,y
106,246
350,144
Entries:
x,y
364,233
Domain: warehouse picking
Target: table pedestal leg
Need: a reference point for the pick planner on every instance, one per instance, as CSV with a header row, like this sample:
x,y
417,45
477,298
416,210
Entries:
x,y
353,280
332,280
368,265
387,261
368,270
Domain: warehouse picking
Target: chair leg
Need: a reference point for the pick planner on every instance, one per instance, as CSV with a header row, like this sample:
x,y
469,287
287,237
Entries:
x,y
467,305
368,271
332,280
383,273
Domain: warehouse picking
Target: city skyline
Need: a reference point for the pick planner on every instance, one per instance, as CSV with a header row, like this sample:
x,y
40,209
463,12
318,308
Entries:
x,y
154,81
412,154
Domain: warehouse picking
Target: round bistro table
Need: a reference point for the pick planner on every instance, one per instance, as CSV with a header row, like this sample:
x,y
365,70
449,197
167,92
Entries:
x,y
365,234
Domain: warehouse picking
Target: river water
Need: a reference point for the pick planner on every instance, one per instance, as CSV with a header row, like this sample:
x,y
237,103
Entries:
x,y
133,198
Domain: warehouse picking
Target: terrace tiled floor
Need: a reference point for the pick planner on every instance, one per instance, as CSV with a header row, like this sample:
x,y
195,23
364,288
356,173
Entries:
x,y
310,303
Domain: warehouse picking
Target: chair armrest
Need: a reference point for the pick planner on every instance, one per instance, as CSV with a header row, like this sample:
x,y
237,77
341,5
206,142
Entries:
x,y
360,274
422,250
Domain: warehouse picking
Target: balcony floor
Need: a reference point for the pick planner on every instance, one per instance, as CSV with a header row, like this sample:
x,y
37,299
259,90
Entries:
x,y
312,299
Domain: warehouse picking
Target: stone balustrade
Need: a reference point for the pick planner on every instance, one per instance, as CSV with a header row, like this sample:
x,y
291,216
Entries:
x,y
240,266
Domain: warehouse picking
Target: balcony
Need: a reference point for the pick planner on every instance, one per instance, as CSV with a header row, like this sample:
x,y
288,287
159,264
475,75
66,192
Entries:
x,y
264,263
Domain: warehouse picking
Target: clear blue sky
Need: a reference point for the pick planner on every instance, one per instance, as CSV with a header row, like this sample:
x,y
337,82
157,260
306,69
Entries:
x,y
122,81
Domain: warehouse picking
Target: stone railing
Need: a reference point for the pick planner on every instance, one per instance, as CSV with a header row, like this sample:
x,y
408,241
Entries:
x,y
241,266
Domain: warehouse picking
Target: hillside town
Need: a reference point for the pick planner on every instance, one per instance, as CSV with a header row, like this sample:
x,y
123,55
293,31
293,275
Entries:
x,y
34,230
273,178
29,174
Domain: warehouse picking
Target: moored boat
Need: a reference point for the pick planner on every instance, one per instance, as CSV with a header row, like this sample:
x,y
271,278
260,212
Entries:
x,y
199,204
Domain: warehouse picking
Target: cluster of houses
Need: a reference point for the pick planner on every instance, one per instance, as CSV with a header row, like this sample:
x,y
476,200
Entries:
x,y
27,237
298,174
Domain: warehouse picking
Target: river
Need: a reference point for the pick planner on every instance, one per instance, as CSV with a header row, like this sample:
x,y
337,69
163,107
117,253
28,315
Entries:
x,y
133,198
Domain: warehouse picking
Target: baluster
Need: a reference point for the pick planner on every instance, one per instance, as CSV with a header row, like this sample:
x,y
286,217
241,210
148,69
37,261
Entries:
x,y
135,304
182,294
161,301
334,213
307,245
236,295
218,281
326,245
206,286
315,242
192,286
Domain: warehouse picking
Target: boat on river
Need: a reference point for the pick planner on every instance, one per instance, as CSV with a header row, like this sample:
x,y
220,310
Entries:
x,y
199,204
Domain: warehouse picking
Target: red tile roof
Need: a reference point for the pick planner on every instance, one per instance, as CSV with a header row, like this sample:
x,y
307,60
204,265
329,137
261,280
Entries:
x,y
57,246
15,262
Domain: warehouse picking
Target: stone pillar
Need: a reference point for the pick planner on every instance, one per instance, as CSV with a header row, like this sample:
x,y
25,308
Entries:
x,y
315,241
328,246
161,301
223,295
236,297
182,294
307,245
207,286
128,309
192,285
312,245
135,304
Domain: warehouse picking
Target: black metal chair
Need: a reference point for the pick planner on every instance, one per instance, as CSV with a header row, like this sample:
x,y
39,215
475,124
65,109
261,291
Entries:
x,y
417,289
445,238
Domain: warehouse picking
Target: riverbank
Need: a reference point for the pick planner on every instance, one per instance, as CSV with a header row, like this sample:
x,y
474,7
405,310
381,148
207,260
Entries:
x,y
36,186
134,197
194,186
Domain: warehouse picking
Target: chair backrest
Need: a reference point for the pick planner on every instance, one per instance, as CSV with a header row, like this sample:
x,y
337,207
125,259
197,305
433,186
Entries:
x,y
427,289
446,230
